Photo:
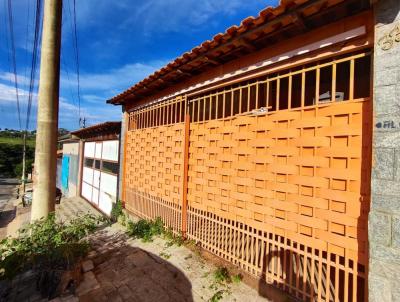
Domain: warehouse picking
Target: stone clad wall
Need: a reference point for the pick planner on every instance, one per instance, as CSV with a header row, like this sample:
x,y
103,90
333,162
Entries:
x,y
384,217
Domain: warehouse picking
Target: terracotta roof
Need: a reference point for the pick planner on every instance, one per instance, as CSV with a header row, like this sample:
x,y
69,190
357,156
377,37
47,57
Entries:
x,y
99,129
269,21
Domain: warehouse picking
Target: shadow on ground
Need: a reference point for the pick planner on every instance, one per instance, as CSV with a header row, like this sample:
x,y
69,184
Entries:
x,y
119,273
122,272
6,217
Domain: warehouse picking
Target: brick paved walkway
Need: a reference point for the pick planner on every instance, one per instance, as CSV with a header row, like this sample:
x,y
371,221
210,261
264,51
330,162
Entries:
x,y
120,268
131,270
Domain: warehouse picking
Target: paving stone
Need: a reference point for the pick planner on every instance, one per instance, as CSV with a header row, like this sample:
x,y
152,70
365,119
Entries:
x,y
88,284
87,265
141,259
114,296
124,292
94,296
70,298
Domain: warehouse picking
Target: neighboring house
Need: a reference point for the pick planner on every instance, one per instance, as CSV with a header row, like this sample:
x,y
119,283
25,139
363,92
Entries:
x,y
90,165
68,165
99,164
258,145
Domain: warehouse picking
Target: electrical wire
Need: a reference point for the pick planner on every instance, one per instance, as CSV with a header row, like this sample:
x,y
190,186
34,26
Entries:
x,y
13,57
34,61
77,59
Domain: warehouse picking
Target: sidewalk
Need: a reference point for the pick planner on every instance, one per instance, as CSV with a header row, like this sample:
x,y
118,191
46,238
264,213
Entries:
x,y
8,196
119,268
67,209
125,269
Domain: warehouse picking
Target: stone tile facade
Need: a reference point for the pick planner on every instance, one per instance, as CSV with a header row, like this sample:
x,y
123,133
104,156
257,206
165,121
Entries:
x,y
384,217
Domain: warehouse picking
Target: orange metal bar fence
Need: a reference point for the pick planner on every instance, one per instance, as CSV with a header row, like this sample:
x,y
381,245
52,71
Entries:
x,y
278,175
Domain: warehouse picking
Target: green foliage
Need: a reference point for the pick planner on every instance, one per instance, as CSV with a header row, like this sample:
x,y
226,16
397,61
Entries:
x,y
217,296
222,278
18,168
237,278
172,239
116,210
46,245
165,255
221,274
11,157
122,219
146,229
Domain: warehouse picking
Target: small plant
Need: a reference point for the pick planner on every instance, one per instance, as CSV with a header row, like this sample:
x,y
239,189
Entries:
x,y
165,255
222,278
122,219
173,239
217,296
237,278
221,275
116,211
145,229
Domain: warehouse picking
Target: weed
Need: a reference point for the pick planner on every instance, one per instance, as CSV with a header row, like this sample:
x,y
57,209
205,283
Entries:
x,y
116,210
145,229
172,239
237,278
217,296
122,219
165,255
221,274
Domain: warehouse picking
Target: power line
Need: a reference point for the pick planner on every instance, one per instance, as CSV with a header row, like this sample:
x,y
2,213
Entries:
x,y
27,36
64,57
13,56
34,59
76,49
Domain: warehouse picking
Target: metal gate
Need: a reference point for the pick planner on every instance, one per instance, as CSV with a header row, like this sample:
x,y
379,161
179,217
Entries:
x,y
278,173
100,170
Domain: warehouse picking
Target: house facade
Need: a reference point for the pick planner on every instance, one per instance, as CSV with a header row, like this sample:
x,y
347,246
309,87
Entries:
x,y
89,165
275,146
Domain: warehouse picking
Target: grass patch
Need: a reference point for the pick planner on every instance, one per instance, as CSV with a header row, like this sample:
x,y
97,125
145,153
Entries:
x,y
17,141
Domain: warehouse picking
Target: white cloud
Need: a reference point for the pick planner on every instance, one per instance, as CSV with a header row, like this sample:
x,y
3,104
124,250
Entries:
x,y
68,112
9,77
160,15
113,81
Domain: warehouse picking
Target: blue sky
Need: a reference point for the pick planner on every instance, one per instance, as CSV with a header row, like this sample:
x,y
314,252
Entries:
x,y
120,43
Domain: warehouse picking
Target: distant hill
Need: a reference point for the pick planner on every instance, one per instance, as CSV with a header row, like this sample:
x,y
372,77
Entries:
x,y
11,147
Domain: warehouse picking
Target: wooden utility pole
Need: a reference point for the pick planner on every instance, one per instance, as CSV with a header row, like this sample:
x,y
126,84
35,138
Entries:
x,y
44,190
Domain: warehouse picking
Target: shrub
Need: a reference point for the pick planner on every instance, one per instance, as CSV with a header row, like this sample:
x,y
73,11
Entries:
x,y
48,247
146,229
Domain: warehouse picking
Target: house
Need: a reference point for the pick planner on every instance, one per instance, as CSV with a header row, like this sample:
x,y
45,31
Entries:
x,y
90,165
68,165
258,145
